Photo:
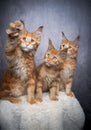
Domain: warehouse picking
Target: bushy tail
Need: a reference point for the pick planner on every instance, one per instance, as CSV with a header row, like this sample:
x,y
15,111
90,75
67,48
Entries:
x,y
5,95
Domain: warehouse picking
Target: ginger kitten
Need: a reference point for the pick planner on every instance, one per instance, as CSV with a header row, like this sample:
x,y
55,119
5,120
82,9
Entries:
x,y
67,74
20,76
49,73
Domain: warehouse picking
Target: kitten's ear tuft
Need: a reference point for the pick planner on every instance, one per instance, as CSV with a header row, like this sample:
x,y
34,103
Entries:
x,y
77,41
50,42
38,32
63,36
40,29
22,21
50,46
63,53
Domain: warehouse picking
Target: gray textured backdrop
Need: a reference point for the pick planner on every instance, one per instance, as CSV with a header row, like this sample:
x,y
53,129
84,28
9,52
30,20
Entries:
x,y
71,16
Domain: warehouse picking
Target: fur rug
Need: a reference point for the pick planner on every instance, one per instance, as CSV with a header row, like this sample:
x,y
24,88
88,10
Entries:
x,y
65,114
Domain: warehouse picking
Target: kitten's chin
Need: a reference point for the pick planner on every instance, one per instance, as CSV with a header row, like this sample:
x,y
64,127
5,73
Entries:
x,y
47,64
27,49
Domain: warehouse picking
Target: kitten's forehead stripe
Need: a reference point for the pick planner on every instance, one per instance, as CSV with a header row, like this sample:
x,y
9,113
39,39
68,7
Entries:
x,y
28,38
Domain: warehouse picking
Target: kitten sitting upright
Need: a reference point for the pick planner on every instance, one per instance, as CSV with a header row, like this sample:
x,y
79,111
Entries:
x,y
49,72
20,76
67,73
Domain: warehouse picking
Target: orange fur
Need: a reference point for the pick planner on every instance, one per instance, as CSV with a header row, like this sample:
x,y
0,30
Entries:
x,y
67,73
49,73
19,52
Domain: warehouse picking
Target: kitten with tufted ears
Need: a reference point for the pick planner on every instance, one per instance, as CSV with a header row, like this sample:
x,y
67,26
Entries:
x,y
67,74
49,72
20,76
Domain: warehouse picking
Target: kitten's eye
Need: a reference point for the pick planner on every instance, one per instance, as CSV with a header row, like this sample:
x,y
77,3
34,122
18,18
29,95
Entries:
x,y
63,45
47,54
24,38
32,40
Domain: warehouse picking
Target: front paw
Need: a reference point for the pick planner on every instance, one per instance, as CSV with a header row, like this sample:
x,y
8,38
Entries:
x,y
54,98
39,99
12,32
15,100
57,94
15,28
70,94
32,101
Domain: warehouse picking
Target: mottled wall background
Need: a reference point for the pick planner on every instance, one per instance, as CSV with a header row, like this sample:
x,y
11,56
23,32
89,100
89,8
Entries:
x,y
73,17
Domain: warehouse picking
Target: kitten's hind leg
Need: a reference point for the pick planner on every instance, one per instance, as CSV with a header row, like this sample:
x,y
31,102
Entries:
x,y
5,95
13,100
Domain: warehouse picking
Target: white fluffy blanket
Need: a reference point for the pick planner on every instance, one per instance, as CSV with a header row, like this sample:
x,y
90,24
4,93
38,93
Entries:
x,y
65,114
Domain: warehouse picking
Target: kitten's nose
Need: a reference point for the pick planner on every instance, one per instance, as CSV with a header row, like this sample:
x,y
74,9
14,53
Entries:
x,y
27,44
48,59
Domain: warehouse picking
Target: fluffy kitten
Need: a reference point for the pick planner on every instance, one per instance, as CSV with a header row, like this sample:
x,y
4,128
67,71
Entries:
x,y
67,73
19,51
49,72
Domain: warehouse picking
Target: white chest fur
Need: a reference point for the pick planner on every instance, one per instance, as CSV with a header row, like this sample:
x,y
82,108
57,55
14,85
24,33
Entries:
x,y
66,73
48,77
19,68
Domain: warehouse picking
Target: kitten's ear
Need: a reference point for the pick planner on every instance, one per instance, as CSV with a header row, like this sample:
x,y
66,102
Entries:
x,y
50,46
63,53
23,24
63,36
77,41
38,32
22,21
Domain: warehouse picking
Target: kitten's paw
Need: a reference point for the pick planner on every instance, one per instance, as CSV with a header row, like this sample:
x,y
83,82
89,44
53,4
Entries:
x,y
16,92
15,28
16,25
57,94
12,33
15,100
54,98
39,99
32,101
70,94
